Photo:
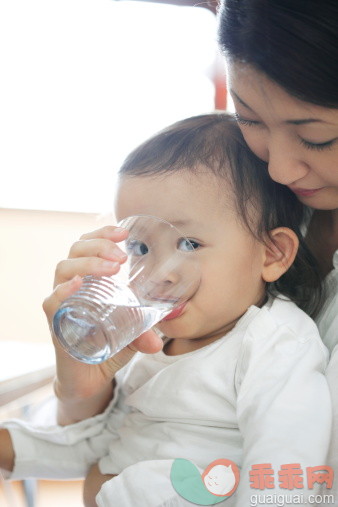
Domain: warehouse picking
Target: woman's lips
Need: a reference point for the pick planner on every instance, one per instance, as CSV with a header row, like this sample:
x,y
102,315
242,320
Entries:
x,y
305,192
175,313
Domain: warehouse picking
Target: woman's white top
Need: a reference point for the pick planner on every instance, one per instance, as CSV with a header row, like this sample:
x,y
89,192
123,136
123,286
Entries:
x,y
328,326
327,320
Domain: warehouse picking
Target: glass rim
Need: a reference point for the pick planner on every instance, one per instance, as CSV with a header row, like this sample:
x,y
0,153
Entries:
x,y
155,218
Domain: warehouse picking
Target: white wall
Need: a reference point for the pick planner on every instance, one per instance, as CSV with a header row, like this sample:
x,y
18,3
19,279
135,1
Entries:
x,y
32,242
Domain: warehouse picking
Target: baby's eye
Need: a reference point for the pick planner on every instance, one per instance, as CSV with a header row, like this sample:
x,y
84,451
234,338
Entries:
x,y
135,247
187,245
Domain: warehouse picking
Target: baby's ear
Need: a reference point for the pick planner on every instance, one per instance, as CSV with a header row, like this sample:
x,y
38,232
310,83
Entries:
x,y
280,252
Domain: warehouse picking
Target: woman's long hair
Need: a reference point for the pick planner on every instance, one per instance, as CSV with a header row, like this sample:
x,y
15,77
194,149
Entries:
x,y
294,42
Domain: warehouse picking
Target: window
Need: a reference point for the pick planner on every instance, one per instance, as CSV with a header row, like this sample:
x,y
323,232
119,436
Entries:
x,y
85,81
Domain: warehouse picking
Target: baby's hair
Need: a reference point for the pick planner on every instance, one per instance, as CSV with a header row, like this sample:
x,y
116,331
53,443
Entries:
x,y
215,142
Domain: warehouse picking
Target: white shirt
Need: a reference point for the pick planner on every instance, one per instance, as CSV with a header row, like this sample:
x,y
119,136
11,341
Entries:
x,y
328,326
327,320
257,395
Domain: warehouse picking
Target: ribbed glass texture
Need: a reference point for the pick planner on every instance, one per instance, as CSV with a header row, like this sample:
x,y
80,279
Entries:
x,y
102,318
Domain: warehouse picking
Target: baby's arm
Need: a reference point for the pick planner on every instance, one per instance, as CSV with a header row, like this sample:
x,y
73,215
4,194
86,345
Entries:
x,y
56,452
6,451
92,485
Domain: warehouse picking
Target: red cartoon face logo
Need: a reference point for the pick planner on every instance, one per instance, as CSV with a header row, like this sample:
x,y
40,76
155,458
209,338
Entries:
x,y
221,477
217,483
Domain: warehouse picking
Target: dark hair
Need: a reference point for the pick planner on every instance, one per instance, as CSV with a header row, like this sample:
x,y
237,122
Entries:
x,y
214,141
294,42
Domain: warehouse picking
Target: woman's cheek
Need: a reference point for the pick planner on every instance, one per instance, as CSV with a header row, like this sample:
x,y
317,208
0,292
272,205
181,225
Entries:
x,y
256,142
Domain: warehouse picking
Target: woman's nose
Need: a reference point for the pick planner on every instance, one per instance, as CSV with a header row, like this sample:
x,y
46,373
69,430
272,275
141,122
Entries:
x,y
285,166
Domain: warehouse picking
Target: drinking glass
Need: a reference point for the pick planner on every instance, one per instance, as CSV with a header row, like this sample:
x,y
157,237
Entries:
x,y
107,313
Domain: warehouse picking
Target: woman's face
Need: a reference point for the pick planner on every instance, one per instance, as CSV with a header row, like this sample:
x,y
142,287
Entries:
x,y
299,140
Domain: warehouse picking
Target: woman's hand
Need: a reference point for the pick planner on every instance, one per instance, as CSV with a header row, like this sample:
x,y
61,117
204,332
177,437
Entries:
x,y
92,485
83,389
6,451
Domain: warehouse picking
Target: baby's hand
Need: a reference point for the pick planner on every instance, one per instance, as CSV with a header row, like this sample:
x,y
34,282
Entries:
x,y
96,253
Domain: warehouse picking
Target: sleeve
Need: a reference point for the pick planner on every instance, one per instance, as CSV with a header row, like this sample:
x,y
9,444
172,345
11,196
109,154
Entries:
x,y
146,483
284,409
148,480
64,452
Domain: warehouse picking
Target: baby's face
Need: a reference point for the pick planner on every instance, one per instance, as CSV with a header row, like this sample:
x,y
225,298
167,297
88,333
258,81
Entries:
x,y
230,258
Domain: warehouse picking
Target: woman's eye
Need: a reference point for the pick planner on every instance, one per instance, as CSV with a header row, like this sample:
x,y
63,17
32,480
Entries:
x,y
317,146
135,247
187,245
244,121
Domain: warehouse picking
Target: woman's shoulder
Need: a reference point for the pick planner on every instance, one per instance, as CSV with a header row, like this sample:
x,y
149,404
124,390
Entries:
x,y
327,319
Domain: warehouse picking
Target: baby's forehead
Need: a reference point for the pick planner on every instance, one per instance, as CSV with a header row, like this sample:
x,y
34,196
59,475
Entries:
x,y
187,187
190,177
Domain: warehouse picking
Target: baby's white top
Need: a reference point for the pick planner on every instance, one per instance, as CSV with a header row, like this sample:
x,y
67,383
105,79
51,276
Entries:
x,y
257,395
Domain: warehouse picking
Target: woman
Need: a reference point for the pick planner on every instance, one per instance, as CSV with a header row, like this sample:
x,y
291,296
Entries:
x,y
282,58
282,68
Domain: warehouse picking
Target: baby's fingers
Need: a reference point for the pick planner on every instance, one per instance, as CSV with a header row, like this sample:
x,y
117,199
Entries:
x,y
108,232
148,343
60,293
103,248
83,266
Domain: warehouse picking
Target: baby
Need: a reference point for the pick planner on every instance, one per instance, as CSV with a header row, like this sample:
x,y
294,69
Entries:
x,y
240,377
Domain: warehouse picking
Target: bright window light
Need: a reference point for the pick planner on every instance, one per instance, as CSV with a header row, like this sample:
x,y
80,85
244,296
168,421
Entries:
x,y
83,82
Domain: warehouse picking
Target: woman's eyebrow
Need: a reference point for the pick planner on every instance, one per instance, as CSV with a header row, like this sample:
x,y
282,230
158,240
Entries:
x,y
300,121
305,120
239,99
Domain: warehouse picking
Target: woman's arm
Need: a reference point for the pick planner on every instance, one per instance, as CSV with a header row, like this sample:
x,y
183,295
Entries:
x,y
93,484
6,451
